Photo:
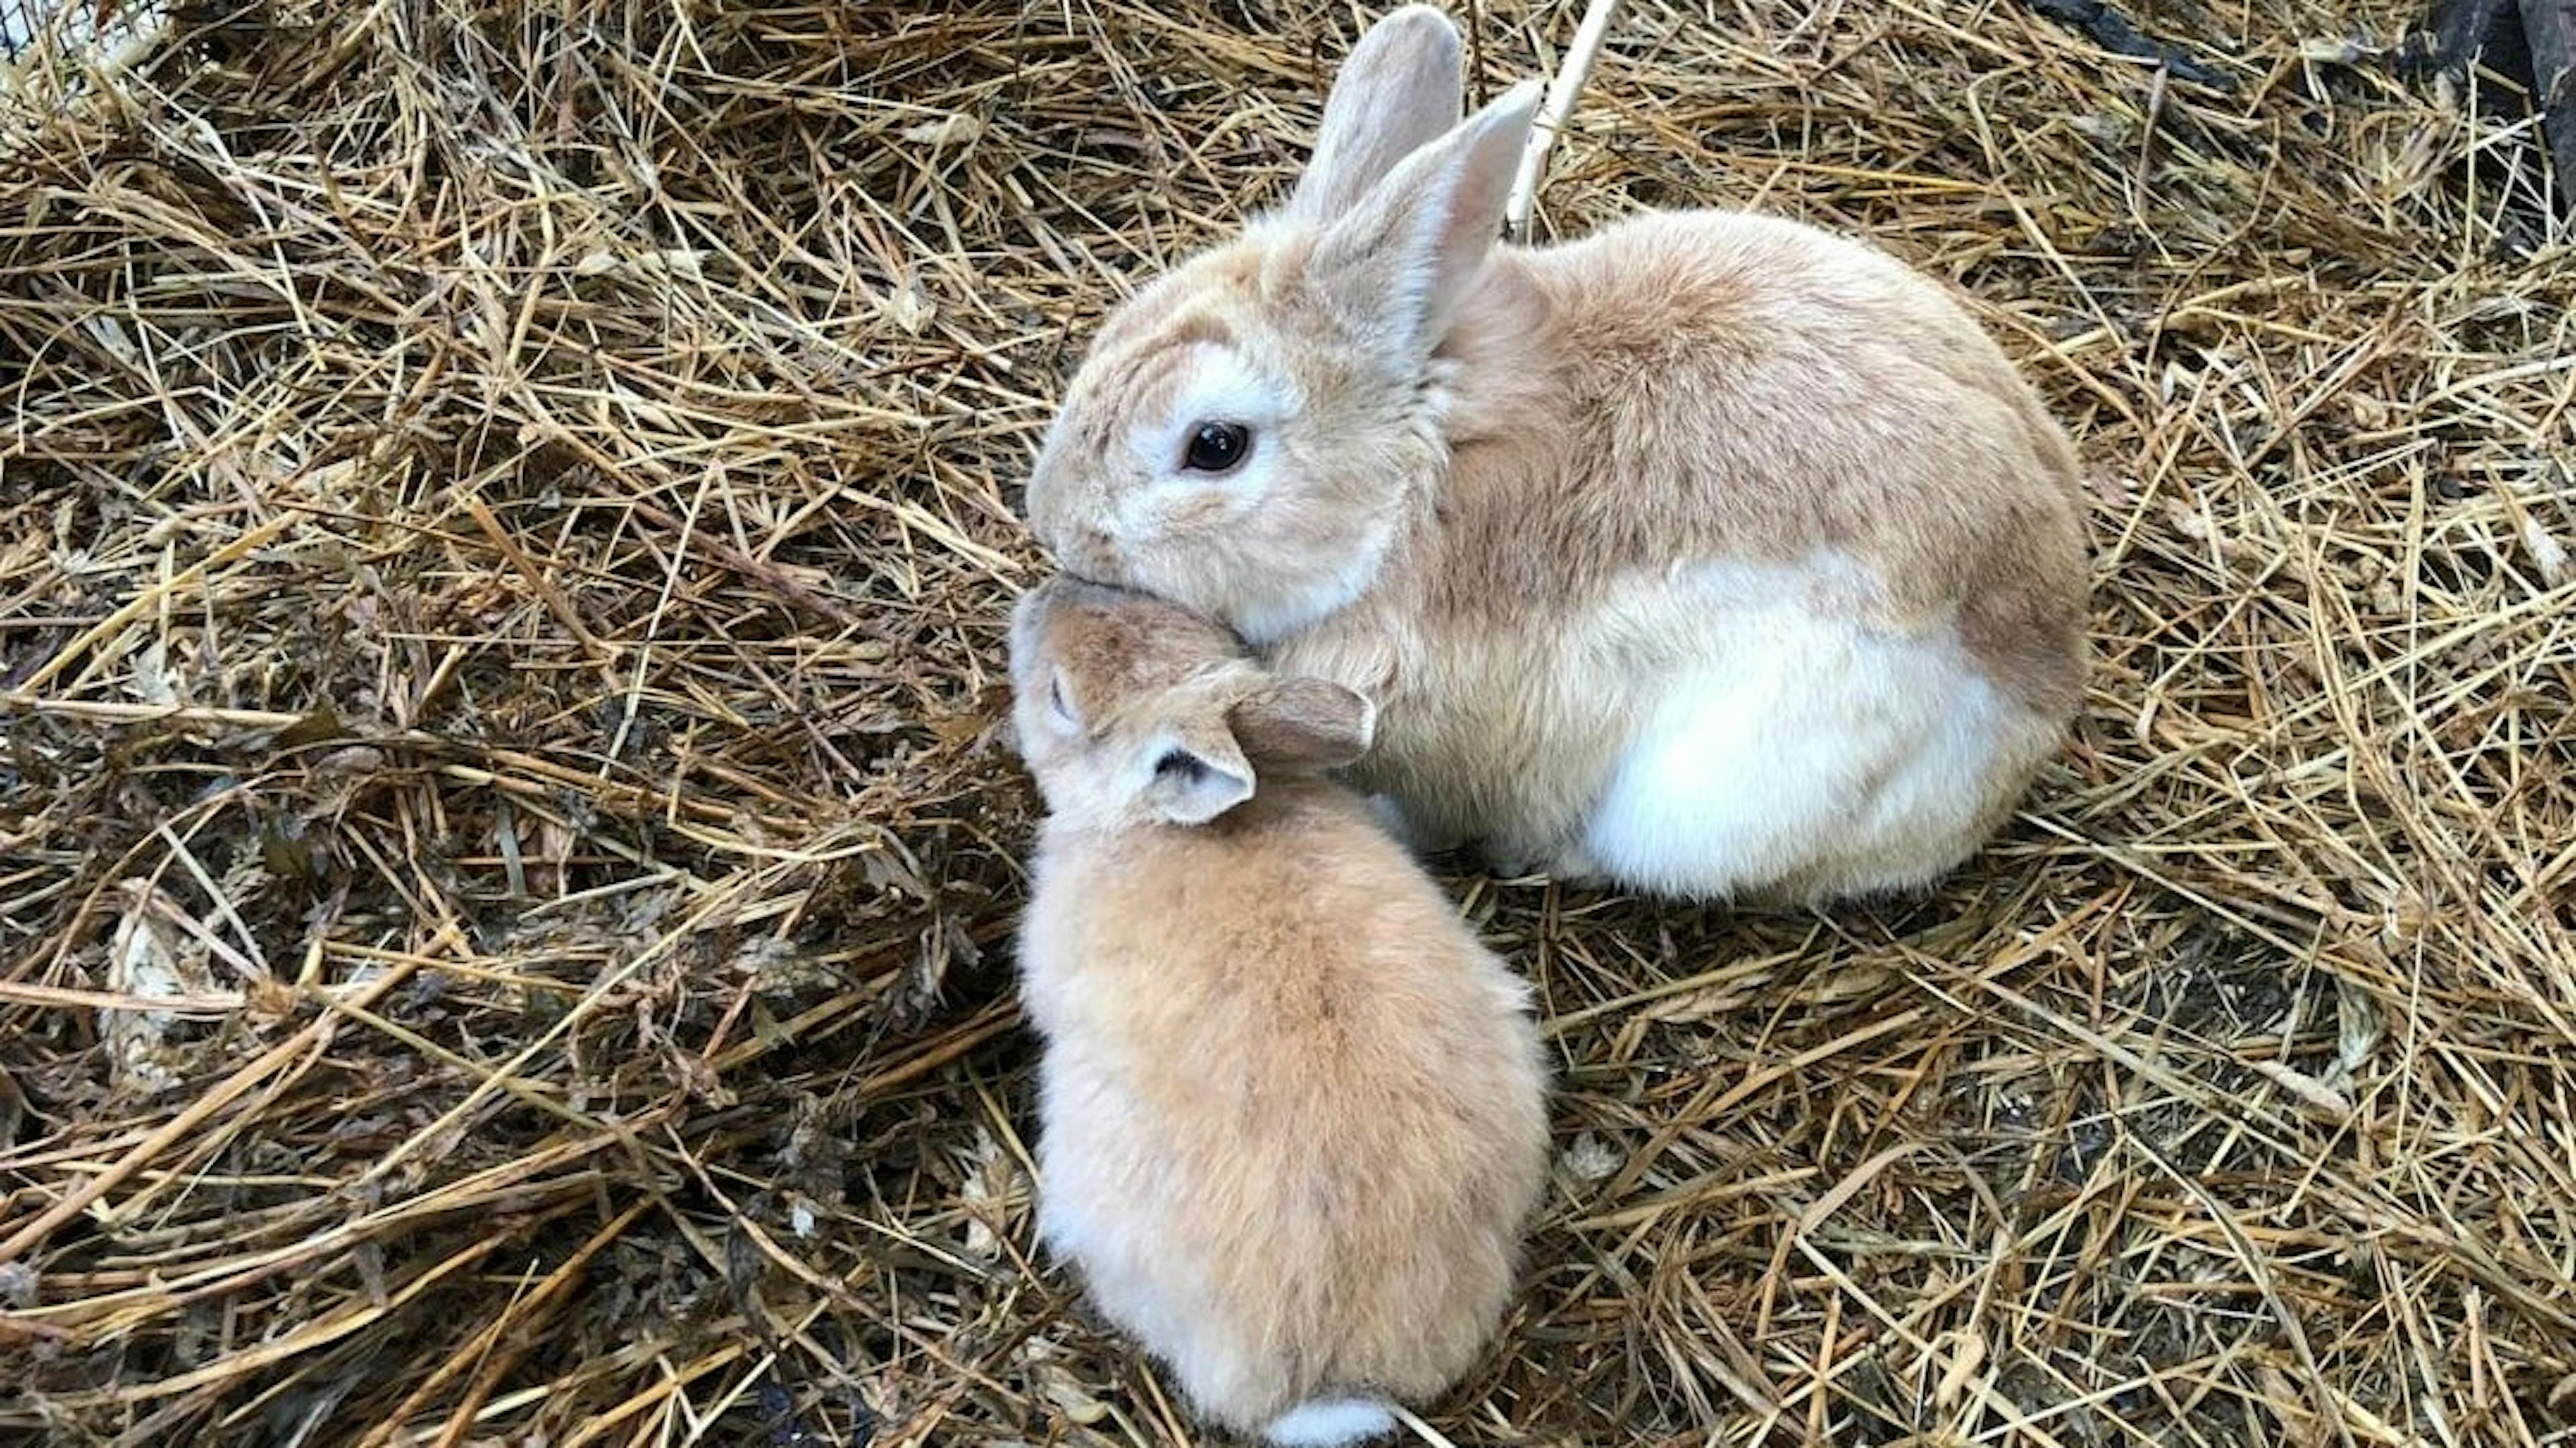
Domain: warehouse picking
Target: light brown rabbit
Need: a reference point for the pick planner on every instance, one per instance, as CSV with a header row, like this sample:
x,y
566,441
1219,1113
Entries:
x,y
1710,554
1292,1112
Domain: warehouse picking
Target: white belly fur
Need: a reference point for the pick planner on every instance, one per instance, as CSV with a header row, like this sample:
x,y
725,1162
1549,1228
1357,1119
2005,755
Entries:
x,y
1793,748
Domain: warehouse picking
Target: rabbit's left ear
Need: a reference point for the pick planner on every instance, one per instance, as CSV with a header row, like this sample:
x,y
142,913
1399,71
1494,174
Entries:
x,y
1407,253
1398,91
1303,725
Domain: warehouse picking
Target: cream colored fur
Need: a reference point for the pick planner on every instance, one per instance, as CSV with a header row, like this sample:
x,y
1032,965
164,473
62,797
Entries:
x,y
1710,552
1292,1112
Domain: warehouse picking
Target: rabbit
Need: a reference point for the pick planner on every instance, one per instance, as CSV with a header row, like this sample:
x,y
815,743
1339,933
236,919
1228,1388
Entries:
x,y
1710,556
1293,1117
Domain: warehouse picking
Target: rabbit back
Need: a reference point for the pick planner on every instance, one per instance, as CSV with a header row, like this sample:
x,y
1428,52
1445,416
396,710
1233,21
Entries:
x,y
1292,1113
1694,387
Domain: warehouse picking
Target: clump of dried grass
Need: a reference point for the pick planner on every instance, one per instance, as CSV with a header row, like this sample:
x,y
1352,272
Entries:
x,y
509,857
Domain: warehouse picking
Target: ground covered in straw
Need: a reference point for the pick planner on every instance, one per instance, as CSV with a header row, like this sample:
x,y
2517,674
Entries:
x,y
508,855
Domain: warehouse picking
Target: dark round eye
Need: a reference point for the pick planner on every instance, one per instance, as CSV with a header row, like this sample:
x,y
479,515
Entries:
x,y
1218,447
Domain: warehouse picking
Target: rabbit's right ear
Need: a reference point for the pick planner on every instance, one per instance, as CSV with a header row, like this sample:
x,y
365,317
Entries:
x,y
1399,262
1398,91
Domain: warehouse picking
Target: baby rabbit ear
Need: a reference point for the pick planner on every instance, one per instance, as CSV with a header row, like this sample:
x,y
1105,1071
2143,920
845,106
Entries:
x,y
1305,725
1198,774
1412,247
1397,92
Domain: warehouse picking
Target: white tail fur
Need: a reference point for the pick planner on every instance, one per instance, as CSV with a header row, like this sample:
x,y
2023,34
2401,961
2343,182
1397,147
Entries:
x,y
1330,1423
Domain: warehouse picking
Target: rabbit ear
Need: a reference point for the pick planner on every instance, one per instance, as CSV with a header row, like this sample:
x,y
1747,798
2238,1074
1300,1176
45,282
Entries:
x,y
1397,92
1198,773
1303,724
1203,766
1408,252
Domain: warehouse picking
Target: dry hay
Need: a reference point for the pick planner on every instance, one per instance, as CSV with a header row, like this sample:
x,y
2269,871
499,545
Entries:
x,y
509,859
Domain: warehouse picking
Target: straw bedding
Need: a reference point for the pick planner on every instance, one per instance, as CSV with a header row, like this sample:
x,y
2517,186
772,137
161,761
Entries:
x,y
508,851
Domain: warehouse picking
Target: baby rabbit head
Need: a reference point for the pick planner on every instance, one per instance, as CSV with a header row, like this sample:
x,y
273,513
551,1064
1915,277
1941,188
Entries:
x,y
1248,434
1130,710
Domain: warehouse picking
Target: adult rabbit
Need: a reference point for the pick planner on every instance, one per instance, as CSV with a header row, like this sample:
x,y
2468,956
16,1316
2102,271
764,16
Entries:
x,y
1710,554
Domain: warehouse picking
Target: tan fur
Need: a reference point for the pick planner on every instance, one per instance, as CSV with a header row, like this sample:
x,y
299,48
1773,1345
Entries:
x,y
1293,1111
1675,389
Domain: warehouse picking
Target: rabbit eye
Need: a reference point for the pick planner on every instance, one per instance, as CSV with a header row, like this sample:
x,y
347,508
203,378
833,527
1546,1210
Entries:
x,y
1218,447
1055,701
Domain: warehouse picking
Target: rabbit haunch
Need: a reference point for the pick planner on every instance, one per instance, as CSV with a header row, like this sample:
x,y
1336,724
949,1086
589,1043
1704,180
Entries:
x,y
1293,1113
1710,553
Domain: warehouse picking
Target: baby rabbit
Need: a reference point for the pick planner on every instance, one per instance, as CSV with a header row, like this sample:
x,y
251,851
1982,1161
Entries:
x,y
1710,554
1292,1112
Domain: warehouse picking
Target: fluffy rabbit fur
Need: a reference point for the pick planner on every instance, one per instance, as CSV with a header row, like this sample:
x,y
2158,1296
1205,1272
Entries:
x,y
1710,554
1293,1120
